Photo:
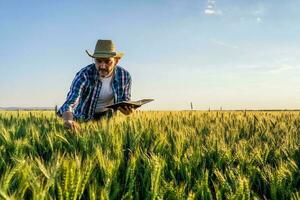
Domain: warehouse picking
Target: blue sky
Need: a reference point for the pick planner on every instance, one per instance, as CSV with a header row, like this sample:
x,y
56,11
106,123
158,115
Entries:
x,y
222,53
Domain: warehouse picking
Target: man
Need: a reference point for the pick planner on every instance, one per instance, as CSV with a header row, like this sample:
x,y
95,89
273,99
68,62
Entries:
x,y
96,86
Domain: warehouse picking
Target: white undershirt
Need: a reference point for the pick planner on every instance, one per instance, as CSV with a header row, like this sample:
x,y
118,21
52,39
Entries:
x,y
106,96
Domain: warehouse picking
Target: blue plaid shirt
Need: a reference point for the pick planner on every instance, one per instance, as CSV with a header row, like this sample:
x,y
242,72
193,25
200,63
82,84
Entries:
x,y
85,89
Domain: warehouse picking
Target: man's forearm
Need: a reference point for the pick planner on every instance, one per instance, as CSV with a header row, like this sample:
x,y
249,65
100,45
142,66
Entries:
x,y
67,116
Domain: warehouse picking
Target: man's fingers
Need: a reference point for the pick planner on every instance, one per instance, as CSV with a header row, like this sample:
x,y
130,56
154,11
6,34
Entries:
x,y
68,125
128,107
129,110
72,125
122,110
75,126
126,110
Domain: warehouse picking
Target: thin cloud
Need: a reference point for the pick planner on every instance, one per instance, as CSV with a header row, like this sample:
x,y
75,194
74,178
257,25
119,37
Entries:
x,y
258,20
211,8
255,13
283,64
282,68
269,69
258,13
223,44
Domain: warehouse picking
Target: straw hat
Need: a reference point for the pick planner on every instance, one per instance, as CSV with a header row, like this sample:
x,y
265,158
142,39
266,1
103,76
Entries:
x,y
105,49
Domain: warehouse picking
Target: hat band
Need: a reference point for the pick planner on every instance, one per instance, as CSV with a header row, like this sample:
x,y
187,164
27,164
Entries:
x,y
105,52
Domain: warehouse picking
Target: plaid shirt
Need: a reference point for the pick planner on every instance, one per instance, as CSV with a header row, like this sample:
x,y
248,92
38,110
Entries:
x,y
85,89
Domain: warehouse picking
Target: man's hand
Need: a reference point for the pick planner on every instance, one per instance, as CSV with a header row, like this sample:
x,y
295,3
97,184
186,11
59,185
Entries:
x,y
126,110
70,124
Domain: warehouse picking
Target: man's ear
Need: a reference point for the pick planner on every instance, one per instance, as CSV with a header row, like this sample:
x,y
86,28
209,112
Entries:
x,y
117,60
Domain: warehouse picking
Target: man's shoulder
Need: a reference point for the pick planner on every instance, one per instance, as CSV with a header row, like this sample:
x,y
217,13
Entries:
x,y
88,71
121,71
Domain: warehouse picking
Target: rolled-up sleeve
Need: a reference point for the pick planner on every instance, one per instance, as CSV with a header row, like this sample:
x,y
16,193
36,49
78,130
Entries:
x,y
74,94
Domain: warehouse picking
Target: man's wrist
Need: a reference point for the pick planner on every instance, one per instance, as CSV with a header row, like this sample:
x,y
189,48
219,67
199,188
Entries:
x,y
67,116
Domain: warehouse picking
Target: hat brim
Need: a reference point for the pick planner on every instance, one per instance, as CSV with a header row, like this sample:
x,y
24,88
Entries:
x,y
106,55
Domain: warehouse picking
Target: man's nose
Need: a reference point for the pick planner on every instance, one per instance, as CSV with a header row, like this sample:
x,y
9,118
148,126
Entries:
x,y
102,65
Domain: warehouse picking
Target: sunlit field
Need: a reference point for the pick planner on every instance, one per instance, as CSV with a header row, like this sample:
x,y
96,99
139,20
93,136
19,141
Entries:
x,y
151,155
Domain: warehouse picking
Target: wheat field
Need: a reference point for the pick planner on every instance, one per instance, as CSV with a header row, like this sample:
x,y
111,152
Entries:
x,y
151,155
